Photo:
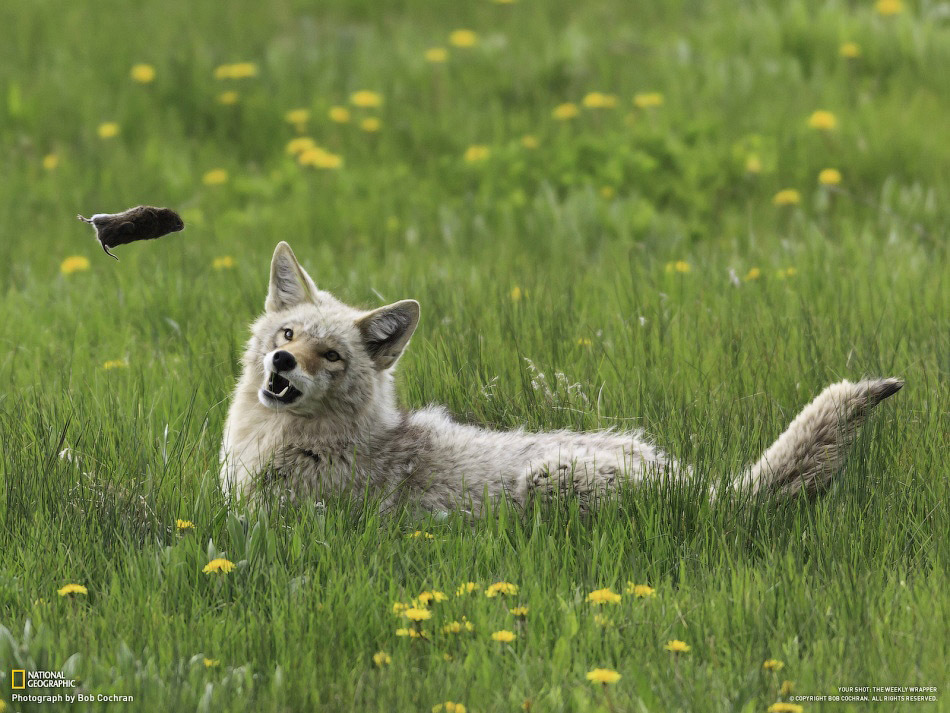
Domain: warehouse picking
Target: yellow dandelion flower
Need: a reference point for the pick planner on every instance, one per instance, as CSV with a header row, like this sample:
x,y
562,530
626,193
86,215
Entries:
x,y
244,70
115,364
829,177
607,192
787,196
399,607
773,665
319,158
476,153
417,614
74,263
381,658
463,38
823,120
753,274
504,636
677,646
530,141
565,111
212,663
785,708
339,114
466,588
448,707
229,97
501,588
50,161
640,591
420,534
469,626
603,596
226,262
648,100
238,70
108,130
72,589
599,100
584,342
889,7
850,50
446,656
366,99
433,596
184,525
516,295
142,73
520,612
371,124
436,54
219,564
753,164
299,145
604,676
297,116
678,266
215,177
453,627
787,688
412,633
602,621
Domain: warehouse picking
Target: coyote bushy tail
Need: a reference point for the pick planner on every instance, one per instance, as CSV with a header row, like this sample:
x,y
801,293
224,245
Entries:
x,y
813,448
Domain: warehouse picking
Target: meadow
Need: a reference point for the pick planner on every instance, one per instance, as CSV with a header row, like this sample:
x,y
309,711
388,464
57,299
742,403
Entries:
x,y
688,216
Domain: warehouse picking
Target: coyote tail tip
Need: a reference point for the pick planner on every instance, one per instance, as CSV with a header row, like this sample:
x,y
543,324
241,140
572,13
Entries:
x,y
813,448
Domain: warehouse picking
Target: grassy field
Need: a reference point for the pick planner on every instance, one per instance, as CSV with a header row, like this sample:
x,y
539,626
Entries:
x,y
631,194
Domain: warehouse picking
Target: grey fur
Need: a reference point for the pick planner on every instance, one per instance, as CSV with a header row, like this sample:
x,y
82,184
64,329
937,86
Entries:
x,y
346,433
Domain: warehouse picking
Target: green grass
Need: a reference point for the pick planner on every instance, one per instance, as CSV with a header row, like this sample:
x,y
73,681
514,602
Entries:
x,y
847,590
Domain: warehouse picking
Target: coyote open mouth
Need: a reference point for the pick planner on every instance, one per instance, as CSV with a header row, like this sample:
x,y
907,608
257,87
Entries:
x,y
280,389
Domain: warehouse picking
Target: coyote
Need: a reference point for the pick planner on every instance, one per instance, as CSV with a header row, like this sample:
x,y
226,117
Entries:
x,y
315,412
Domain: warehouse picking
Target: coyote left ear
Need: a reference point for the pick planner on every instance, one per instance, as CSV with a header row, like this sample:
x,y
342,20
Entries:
x,y
290,284
386,331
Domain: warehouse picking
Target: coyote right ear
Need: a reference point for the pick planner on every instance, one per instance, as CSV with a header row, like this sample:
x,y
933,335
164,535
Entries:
x,y
386,331
290,284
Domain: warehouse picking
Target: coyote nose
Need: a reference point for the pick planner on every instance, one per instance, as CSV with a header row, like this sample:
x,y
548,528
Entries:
x,y
283,361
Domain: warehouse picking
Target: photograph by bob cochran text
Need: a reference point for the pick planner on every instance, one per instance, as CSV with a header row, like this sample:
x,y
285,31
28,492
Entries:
x,y
475,357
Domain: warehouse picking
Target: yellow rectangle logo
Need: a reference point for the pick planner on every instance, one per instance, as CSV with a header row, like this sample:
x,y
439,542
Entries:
x,y
13,674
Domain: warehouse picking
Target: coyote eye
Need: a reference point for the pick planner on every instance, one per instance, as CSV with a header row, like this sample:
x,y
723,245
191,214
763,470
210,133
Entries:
x,y
288,334
331,356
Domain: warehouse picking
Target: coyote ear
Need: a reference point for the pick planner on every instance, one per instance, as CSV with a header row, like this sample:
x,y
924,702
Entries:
x,y
386,331
289,283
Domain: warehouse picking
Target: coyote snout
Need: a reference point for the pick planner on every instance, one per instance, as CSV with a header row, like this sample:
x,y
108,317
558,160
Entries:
x,y
279,389
282,360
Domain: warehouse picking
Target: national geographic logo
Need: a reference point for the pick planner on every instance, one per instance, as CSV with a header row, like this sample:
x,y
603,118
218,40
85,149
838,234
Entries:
x,y
21,679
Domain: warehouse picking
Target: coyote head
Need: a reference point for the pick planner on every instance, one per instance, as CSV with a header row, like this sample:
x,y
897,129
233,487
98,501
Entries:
x,y
315,356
